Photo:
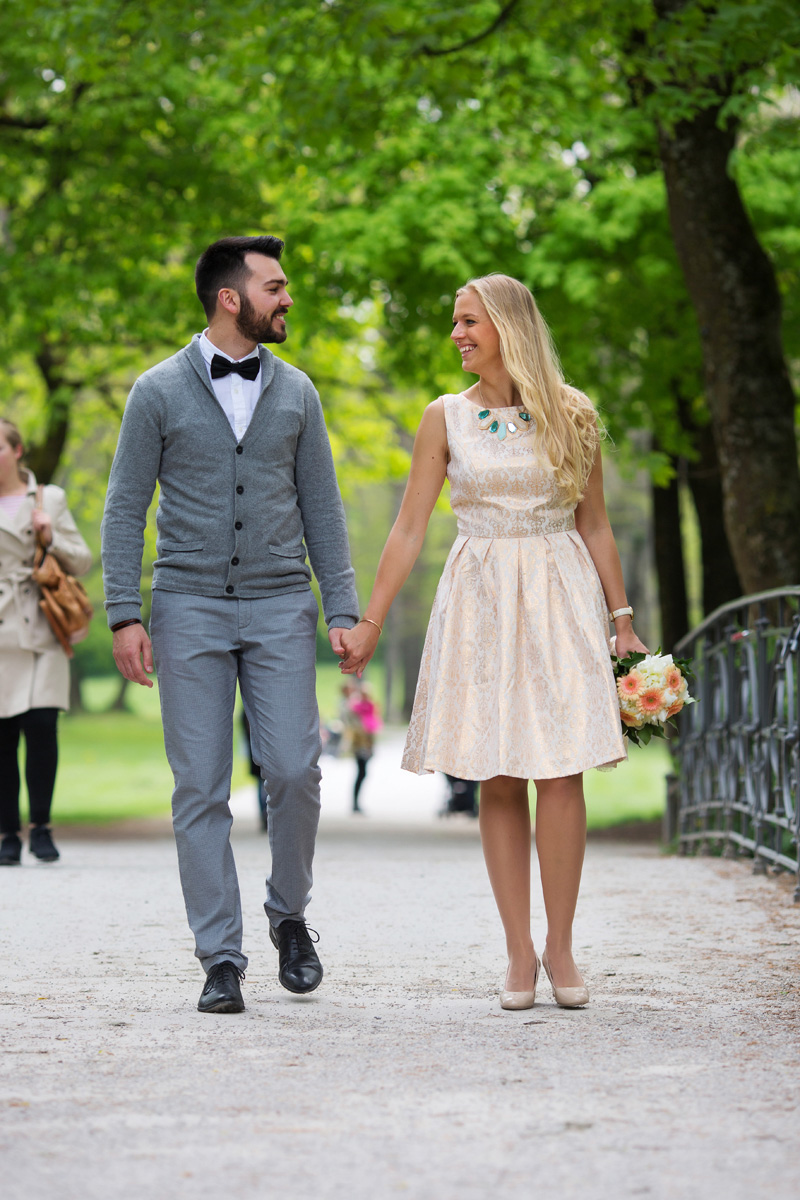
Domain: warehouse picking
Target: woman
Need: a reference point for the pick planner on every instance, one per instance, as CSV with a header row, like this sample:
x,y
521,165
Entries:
x,y
33,668
516,680
362,721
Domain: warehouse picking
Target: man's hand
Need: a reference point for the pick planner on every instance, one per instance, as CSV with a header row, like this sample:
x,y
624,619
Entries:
x,y
132,650
335,639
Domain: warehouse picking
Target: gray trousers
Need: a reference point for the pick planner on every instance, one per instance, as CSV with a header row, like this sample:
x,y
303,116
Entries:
x,y
201,647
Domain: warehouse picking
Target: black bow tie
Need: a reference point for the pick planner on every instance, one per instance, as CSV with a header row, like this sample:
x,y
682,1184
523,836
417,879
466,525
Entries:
x,y
248,368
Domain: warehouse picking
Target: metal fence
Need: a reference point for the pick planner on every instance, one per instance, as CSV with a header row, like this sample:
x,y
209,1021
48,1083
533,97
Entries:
x,y
738,751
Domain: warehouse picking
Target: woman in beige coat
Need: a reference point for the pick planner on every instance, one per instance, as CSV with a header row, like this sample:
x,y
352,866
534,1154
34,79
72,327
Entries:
x,y
34,671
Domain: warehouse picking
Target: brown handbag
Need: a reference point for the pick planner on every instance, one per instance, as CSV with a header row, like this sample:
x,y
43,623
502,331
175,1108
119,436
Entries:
x,y
64,601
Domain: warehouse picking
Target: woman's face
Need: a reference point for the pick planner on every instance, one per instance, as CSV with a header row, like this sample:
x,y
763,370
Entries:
x,y
9,458
476,338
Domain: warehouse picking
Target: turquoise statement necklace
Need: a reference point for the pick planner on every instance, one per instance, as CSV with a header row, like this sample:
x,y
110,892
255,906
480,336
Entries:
x,y
503,428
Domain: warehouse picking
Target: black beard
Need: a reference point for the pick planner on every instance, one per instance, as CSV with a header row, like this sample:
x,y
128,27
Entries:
x,y
256,328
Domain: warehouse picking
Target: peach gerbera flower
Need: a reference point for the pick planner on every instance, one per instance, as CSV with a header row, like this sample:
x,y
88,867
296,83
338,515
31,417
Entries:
x,y
630,719
675,708
630,684
673,678
651,701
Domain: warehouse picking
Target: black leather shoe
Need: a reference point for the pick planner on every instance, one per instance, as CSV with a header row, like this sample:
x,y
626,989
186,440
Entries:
x,y
222,993
10,850
42,844
299,968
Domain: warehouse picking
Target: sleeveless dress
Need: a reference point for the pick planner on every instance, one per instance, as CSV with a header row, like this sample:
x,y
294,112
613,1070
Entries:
x,y
516,674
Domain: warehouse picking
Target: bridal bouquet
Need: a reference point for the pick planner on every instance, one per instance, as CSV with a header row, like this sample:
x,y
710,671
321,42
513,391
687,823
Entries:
x,y
652,688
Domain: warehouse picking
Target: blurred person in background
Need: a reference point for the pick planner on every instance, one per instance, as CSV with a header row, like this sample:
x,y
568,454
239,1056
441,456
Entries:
x,y
362,720
462,796
34,670
255,770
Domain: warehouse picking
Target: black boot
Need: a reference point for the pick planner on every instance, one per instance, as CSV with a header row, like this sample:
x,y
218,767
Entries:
x,y
42,844
10,850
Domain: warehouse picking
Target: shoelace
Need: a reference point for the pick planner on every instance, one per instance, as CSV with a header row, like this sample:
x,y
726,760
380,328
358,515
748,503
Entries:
x,y
300,934
220,969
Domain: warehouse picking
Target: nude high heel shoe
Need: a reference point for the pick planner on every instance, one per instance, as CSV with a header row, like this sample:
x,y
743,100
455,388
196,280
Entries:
x,y
516,1000
567,997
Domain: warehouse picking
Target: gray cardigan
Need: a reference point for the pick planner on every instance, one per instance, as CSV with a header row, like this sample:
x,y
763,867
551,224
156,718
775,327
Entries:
x,y
232,516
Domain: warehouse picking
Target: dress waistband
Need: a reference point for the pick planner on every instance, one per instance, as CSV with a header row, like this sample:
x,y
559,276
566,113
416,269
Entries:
x,y
537,526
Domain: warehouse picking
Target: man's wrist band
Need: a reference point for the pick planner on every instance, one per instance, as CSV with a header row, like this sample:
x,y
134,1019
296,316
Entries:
x,y
369,621
621,612
125,624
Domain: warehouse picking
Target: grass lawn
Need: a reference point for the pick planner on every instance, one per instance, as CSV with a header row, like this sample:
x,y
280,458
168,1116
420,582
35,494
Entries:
x,y
112,765
634,791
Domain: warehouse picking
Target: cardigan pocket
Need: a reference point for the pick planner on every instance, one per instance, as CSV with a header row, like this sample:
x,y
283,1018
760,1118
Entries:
x,y
288,551
179,547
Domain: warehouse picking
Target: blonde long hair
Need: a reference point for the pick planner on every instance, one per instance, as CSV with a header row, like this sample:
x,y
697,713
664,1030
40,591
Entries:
x,y
566,420
14,439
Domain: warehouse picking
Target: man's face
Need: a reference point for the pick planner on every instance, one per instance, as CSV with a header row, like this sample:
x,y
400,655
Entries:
x,y
264,301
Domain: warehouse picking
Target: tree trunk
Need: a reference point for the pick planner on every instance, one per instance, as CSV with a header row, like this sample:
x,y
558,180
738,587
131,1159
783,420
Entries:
x,y
390,663
720,577
408,634
119,703
670,569
411,651
75,697
735,295
44,457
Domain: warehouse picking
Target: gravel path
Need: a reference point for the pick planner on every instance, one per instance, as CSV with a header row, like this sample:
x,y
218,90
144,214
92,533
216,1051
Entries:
x,y
401,1076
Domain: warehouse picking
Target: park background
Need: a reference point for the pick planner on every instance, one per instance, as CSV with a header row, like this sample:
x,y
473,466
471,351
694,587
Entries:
x,y
635,163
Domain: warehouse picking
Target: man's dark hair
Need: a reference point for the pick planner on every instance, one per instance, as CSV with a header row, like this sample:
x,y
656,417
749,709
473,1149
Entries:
x,y
222,265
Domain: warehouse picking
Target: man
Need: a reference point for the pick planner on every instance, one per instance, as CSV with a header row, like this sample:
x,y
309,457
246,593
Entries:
x,y
236,439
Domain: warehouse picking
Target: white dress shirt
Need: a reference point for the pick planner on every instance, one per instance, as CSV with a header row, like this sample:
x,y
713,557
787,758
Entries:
x,y
237,396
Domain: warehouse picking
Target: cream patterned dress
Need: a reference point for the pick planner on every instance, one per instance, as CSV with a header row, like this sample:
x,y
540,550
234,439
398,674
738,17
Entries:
x,y
516,673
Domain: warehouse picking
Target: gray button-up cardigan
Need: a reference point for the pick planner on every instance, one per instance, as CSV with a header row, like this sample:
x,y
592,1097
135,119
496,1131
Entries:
x,y
232,515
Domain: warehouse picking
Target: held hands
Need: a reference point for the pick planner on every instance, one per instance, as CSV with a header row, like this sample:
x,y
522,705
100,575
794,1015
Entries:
x,y
132,650
42,525
358,645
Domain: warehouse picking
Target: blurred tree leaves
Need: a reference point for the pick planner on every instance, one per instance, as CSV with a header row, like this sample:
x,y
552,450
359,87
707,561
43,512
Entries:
x,y
399,149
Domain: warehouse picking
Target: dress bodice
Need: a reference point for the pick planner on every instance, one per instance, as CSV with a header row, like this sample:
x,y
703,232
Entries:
x,y
500,484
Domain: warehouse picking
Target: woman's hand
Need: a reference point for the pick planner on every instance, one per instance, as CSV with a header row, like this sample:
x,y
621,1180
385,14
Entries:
x,y
42,525
359,646
627,642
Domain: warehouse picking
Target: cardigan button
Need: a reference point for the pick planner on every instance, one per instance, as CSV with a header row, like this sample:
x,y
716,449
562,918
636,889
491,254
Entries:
x,y
234,562
239,490
229,590
240,449
237,524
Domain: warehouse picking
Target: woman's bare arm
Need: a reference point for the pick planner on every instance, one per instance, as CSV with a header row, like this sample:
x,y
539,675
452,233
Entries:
x,y
425,481
591,522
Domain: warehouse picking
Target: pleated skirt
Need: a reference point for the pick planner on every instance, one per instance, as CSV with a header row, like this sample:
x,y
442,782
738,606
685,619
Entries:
x,y
516,674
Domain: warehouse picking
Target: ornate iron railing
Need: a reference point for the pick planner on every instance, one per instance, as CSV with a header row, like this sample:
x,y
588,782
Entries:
x,y
738,751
